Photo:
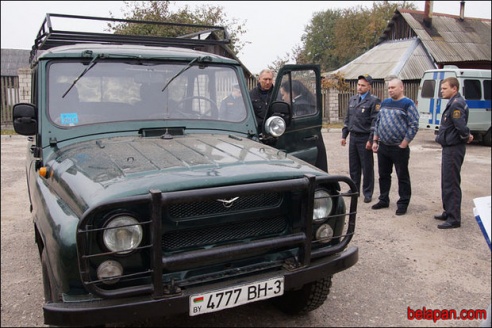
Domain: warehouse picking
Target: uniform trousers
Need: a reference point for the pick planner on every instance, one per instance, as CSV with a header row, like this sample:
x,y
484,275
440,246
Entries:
x,y
389,156
451,162
361,162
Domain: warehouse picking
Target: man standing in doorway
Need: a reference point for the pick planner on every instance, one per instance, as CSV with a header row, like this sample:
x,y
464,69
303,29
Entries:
x,y
453,135
359,123
261,96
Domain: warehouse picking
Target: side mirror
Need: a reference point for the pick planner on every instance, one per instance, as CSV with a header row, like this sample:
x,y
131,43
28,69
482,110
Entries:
x,y
282,109
25,119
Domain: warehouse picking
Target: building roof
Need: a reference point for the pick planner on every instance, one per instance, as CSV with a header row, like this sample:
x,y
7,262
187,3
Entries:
x,y
408,46
404,58
450,38
12,60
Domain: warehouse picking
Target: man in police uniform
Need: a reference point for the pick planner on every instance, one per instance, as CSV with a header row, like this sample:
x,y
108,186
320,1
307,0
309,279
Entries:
x,y
359,122
453,135
232,107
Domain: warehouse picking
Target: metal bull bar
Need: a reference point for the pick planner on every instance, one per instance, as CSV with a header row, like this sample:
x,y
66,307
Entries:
x,y
203,257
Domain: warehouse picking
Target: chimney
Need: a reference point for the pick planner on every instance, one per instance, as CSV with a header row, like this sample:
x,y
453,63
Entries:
x,y
428,14
462,11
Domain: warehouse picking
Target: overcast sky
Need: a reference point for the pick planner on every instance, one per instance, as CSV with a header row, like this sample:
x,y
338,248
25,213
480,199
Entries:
x,y
273,28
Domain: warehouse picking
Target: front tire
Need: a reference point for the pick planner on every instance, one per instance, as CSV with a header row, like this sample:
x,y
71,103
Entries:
x,y
486,141
49,292
310,297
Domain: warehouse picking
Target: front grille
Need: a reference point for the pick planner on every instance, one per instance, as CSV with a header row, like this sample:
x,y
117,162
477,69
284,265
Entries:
x,y
209,207
200,236
262,227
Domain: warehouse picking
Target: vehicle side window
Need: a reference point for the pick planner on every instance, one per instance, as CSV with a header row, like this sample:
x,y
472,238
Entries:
x,y
472,90
486,89
299,90
428,89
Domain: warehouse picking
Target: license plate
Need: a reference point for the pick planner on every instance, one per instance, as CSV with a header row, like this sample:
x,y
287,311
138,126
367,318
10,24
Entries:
x,y
238,295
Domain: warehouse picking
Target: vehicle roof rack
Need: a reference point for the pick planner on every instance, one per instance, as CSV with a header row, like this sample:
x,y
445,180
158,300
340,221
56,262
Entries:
x,y
49,37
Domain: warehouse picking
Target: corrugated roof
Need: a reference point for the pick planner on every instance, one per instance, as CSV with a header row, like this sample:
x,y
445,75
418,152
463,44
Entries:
x,y
404,58
12,60
450,39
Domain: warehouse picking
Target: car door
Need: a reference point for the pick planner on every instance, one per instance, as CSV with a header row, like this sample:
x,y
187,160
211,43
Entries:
x,y
303,132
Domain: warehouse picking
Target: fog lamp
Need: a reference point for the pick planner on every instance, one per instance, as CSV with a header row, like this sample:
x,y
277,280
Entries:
x,y
109,272
324,234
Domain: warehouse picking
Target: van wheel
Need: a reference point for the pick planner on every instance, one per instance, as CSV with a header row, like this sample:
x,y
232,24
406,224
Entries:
x,y
486,138
310,297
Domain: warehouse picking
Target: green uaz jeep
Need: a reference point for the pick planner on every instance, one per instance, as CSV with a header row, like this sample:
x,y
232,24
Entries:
x,y
150,198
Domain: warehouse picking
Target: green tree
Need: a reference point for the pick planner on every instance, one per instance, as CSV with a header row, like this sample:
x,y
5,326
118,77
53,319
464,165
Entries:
x,y
279,62
161,11
335,37
319,40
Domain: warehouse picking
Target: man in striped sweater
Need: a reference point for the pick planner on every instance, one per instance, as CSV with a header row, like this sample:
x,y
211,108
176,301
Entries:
x,y
396,126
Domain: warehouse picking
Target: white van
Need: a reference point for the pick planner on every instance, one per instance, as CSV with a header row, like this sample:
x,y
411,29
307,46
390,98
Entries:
x,y
474,87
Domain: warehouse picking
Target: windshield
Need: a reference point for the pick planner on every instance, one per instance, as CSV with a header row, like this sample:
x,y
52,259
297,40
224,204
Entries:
x,y
129,91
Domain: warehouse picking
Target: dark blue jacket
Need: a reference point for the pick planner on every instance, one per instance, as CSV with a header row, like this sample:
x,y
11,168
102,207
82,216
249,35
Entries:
x,y
361,116
260,99
453,129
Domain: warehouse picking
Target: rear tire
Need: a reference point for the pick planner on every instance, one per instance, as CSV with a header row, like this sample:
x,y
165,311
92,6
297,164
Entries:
x,y
310,297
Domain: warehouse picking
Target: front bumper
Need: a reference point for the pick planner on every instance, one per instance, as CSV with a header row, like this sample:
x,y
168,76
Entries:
x,y
135,308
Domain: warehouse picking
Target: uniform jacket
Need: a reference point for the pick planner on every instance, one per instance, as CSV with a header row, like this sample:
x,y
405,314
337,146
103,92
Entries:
x,y
453,129
232,109
302,106
361,116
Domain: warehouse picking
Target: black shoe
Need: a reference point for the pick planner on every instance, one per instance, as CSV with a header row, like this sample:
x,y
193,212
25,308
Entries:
x,y
447,225
379,205
442,217
401,211
367,199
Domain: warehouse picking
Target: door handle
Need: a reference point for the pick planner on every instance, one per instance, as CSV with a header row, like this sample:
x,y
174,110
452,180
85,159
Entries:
x,y
311,138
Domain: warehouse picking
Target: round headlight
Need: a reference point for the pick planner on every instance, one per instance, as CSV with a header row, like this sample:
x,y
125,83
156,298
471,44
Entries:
x,y
322,205
275,126
123,234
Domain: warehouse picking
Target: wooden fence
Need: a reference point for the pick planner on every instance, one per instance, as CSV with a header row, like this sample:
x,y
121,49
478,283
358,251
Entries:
x,y
411,89
10,95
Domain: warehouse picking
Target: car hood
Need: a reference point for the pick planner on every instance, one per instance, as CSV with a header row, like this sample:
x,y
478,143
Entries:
x,y
92,172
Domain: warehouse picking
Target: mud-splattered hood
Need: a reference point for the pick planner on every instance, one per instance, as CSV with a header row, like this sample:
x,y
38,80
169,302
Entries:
x,y
95,171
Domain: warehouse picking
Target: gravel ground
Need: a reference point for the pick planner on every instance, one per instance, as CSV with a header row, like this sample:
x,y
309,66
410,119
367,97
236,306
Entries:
x,y
404,261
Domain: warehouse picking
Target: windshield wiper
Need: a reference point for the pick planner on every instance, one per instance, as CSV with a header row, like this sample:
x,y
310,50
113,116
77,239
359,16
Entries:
x,y
92,63
199,59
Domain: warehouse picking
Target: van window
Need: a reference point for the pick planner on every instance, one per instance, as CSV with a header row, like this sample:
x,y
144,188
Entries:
x,y
472,90
486,89
428,89
439,93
